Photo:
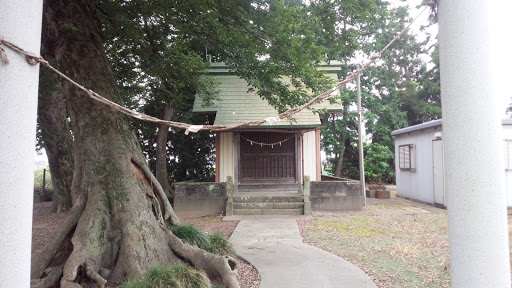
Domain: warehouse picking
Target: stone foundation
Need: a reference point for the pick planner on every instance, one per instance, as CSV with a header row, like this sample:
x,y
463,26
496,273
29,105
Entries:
x,y
336,196
196,199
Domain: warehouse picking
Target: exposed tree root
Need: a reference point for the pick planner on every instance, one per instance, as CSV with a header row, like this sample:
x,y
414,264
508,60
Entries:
x,y
168,211
53,275
39,265
117,236
215,266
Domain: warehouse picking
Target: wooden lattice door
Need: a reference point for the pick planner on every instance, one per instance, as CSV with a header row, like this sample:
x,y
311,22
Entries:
x,y
266,156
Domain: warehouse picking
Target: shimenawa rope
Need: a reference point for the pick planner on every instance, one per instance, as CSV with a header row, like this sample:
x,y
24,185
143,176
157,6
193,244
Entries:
x,y
33,59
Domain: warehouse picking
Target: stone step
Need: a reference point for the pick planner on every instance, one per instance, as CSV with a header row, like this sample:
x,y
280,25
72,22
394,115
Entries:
x,y
268,211
268,199
294,205
256,188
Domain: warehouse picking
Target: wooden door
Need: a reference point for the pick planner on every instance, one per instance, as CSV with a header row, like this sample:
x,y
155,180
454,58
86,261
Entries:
x,y
267,157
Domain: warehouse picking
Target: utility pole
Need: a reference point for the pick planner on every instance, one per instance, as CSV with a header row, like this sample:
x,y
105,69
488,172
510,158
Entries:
x,y
473,145
21,24
360,132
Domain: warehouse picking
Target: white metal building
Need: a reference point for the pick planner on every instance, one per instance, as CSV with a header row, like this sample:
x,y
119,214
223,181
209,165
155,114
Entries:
x,y
419,163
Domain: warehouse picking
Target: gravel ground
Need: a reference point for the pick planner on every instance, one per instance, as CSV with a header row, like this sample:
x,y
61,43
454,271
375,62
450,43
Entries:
x,y
46,223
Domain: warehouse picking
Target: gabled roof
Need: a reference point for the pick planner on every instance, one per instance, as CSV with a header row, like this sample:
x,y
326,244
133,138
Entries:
x,y
239,106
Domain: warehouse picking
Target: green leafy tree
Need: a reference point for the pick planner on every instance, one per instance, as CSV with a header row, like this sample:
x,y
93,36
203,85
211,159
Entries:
x,y
119,212
377,162
400,90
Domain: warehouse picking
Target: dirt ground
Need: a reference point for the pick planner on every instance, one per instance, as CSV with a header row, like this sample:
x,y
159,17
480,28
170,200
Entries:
x,y
45,224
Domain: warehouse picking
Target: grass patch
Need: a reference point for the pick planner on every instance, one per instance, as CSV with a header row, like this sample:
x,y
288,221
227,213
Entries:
x,y
357,225
220,245
174,276
215,243
191,235
395,250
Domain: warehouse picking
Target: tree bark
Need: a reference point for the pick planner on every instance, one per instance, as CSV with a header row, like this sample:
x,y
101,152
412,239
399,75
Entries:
x,y
55,129
56,136
161,151
339,164
122,230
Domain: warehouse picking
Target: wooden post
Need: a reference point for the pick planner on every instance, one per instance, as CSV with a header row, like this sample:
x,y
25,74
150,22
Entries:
x,y
44,179
318,155
217,157
20,24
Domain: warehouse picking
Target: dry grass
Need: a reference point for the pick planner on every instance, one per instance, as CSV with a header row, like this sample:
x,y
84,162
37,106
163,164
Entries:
x,y
399,249
398,246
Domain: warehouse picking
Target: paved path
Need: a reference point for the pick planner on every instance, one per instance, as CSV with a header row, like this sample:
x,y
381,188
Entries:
x,y
275,248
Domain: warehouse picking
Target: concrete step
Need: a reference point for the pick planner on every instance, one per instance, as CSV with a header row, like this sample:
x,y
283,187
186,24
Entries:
x,y
268,211
268,199
294,205
257,188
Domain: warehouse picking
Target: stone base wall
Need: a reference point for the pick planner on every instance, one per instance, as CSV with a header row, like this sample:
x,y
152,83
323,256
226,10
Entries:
x,y
336,196
196,199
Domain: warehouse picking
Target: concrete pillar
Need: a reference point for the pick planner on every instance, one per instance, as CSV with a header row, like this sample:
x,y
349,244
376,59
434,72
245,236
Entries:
x,y
360,132
20,23
479,254
307,194
229,194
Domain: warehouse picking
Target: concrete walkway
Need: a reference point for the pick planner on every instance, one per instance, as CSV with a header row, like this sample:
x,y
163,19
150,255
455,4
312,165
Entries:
x,y
275,248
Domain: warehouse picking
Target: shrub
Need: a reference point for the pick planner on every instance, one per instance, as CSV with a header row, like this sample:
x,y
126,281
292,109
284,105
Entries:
x,y
174,276
220,245
378,159
191,235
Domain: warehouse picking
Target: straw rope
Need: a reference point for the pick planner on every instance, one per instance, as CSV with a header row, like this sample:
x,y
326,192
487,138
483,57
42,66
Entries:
x,y
33,59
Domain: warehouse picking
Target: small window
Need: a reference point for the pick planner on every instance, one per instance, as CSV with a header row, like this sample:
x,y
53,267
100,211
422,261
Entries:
x,y
406,157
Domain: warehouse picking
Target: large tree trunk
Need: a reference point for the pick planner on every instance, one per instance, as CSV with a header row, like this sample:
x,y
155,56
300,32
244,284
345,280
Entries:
x,y
161,151
56,136
339,163
122,230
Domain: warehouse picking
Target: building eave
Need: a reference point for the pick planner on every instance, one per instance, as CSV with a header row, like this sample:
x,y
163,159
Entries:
x,y
421,126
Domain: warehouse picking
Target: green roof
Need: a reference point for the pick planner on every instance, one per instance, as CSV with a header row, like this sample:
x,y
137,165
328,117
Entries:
x,y
236,105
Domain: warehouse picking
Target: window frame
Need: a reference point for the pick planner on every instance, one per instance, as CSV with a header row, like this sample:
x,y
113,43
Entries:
x,y
406,159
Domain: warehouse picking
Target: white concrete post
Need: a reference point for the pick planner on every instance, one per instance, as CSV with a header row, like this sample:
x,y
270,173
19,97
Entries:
x,y
20,23
478,233
360,143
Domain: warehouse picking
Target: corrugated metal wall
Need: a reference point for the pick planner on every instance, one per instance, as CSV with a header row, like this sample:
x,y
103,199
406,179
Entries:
x,y
507,143
226,167
309,148
416,183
